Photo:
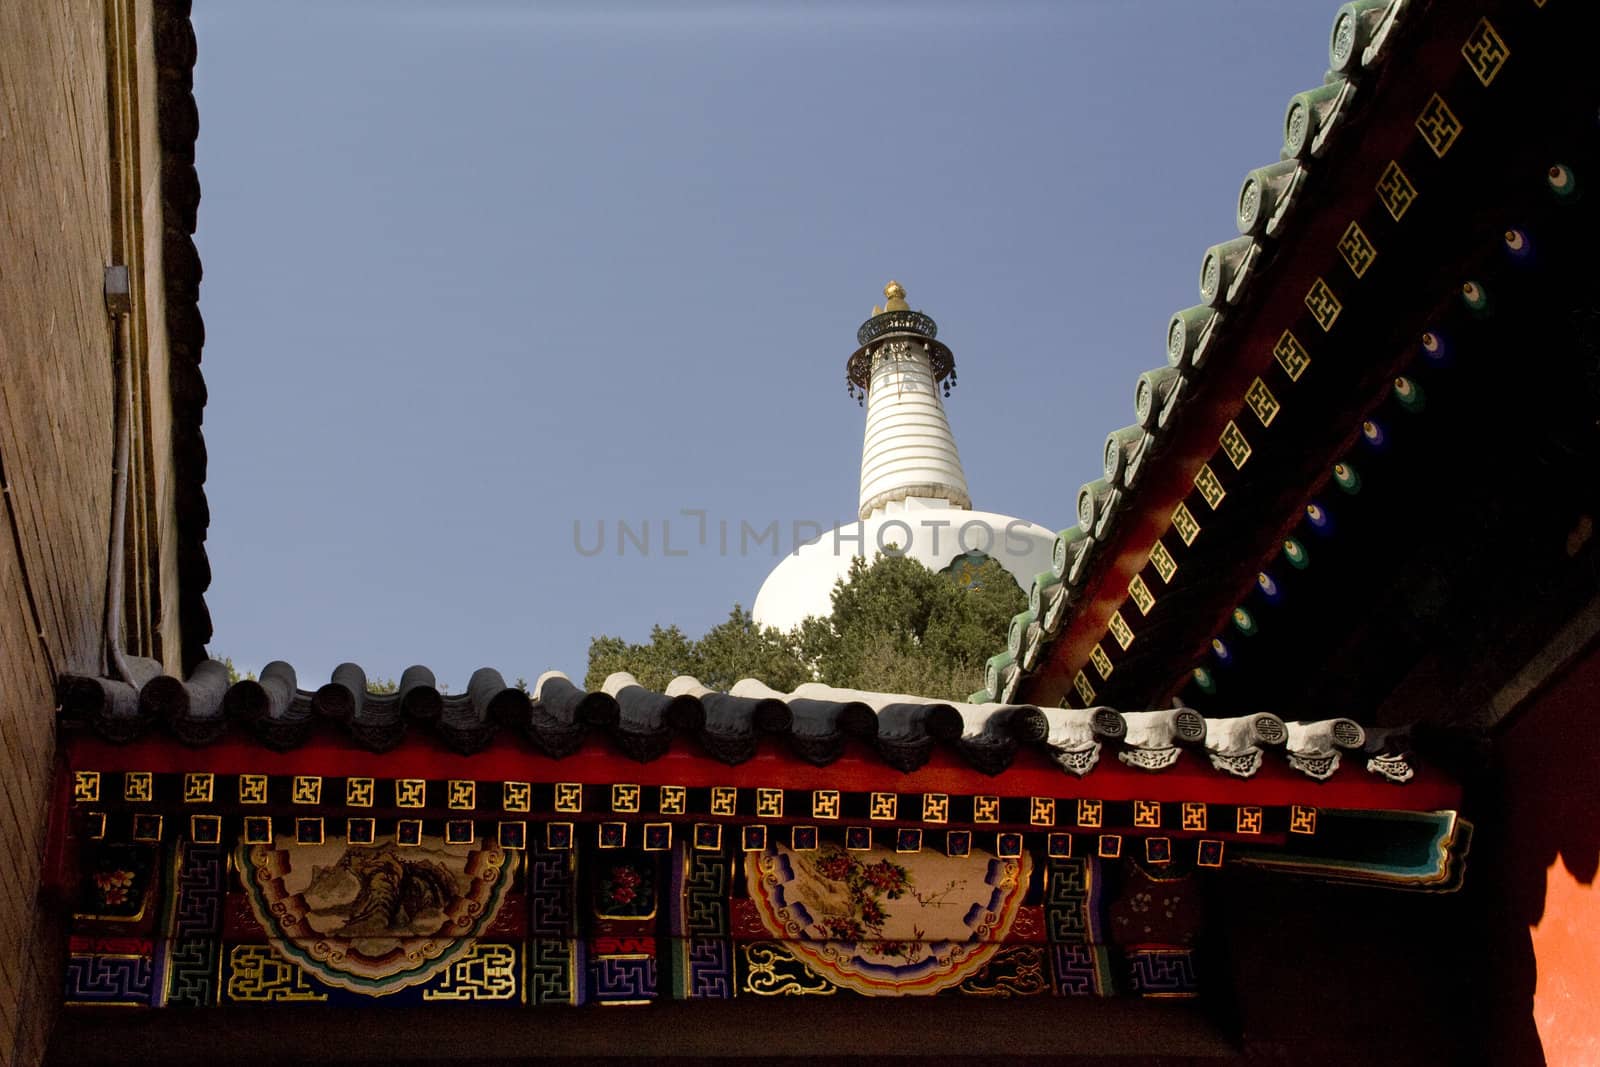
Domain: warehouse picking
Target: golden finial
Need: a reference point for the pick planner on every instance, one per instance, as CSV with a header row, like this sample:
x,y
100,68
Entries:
x,y
895,297
876,310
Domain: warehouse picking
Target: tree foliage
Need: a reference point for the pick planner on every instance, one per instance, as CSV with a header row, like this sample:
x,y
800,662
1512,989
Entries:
x,y
895,627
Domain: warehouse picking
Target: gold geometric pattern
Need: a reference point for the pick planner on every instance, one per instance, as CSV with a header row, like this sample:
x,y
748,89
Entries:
x,y
825,804
1291,356
1210,486
198,787
883,807
1485,51
769,803
257,974
569,797
935,807
1090,813
485,972
358,792
1101,661
86,787
1185,523
138,787
252,789
461,794
1080,682
625,798
1194,816
1259,399
1142,598
1249,821
1147,814
1324,306
1357,249
1438,125
985,809
1234,445
1042,811
307,789
1161,559
724,800
674,800
1395,191
1120,629
1302,820
410,792
516,796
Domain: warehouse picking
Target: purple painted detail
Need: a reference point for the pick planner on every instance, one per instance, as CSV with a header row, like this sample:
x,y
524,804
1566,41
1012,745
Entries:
x,y
550,893
700,906
710,968
621,978
1163,972
109,979
1080,970
197,912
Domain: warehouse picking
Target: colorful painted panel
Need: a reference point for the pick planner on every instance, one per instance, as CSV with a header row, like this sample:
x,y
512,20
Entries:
x,y
880,922
577,918
374,918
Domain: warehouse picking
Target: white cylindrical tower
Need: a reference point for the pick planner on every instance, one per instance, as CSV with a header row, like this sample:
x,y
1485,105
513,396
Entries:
x,y
914,498
908,452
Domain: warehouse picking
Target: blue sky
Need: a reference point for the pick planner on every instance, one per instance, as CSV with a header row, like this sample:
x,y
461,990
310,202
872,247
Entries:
x,y
480,276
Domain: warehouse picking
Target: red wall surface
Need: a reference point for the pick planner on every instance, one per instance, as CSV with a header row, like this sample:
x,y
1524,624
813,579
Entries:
x,y
1550,848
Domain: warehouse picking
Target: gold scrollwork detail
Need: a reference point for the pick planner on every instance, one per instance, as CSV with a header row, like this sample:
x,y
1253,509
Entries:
x,y
516,796
773,971
883,807
461,794
86,787
1017,971
257,974
198,787
486,972
825,804
252,789
569,797
1085,691
769,803
674,800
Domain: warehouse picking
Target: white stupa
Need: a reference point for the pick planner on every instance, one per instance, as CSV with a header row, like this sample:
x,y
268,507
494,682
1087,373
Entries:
x,y
914,498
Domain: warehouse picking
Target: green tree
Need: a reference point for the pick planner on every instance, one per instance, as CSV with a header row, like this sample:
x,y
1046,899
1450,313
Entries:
x,y
895,627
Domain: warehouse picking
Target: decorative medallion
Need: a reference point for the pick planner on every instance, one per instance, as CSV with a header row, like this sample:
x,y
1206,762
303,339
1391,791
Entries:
x,y
883,923
374,920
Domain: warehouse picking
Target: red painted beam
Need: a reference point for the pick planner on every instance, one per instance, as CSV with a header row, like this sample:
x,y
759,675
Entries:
x,y
859,770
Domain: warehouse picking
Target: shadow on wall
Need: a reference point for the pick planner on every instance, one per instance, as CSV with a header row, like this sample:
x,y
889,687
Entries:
x,y
1535,862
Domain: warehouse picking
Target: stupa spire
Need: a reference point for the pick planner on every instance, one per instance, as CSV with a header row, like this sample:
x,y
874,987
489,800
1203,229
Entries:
x,y
908,453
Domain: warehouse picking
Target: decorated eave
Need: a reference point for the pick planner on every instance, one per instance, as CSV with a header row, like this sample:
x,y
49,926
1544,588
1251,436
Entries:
x,y
262,756
1358,252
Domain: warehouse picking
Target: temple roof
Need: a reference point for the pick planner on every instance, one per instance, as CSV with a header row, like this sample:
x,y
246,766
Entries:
x,y
1351,249
811,737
